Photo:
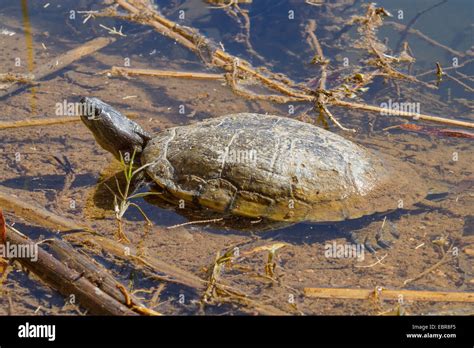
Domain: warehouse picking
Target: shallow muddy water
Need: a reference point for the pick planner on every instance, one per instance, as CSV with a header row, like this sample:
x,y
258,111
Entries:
x,y
62,169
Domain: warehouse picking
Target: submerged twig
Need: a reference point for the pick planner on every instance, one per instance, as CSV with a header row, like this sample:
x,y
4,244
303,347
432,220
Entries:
x,y
442,261
319,58
119,71
194,223
234,10
321,92
37,122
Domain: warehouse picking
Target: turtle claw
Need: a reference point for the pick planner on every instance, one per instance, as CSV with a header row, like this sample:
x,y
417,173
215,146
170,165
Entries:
x,y
376,238
373,245
372,248
384,244
387,234
361,238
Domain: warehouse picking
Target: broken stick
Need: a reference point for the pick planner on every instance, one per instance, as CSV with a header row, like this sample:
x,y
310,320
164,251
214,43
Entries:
x,y
66,280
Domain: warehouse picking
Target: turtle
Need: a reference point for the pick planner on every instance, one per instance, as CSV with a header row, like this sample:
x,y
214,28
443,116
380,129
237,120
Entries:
x,y
261,166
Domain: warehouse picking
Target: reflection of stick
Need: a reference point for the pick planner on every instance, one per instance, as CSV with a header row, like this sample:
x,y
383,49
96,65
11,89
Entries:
x,y
413,21
468,88
64,60
410,295
426,38
119,71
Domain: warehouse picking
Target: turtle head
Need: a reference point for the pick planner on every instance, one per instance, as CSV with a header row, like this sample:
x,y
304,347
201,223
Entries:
x,y
113,131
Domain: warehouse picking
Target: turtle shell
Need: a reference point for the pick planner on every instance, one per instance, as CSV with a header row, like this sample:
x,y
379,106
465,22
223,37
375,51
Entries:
x,y
277,168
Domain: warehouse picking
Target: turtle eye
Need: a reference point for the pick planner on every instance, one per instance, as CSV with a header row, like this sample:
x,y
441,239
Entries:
x,y
97,111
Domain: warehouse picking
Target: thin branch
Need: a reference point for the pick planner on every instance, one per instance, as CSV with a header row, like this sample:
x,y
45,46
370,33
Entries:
x,y
119,71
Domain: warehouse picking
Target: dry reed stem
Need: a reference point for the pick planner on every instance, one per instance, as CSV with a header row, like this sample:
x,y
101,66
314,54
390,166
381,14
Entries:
x,y
403,114
384,294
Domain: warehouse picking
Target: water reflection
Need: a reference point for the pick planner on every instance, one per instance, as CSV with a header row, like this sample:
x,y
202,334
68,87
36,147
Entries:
x,y
29,50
